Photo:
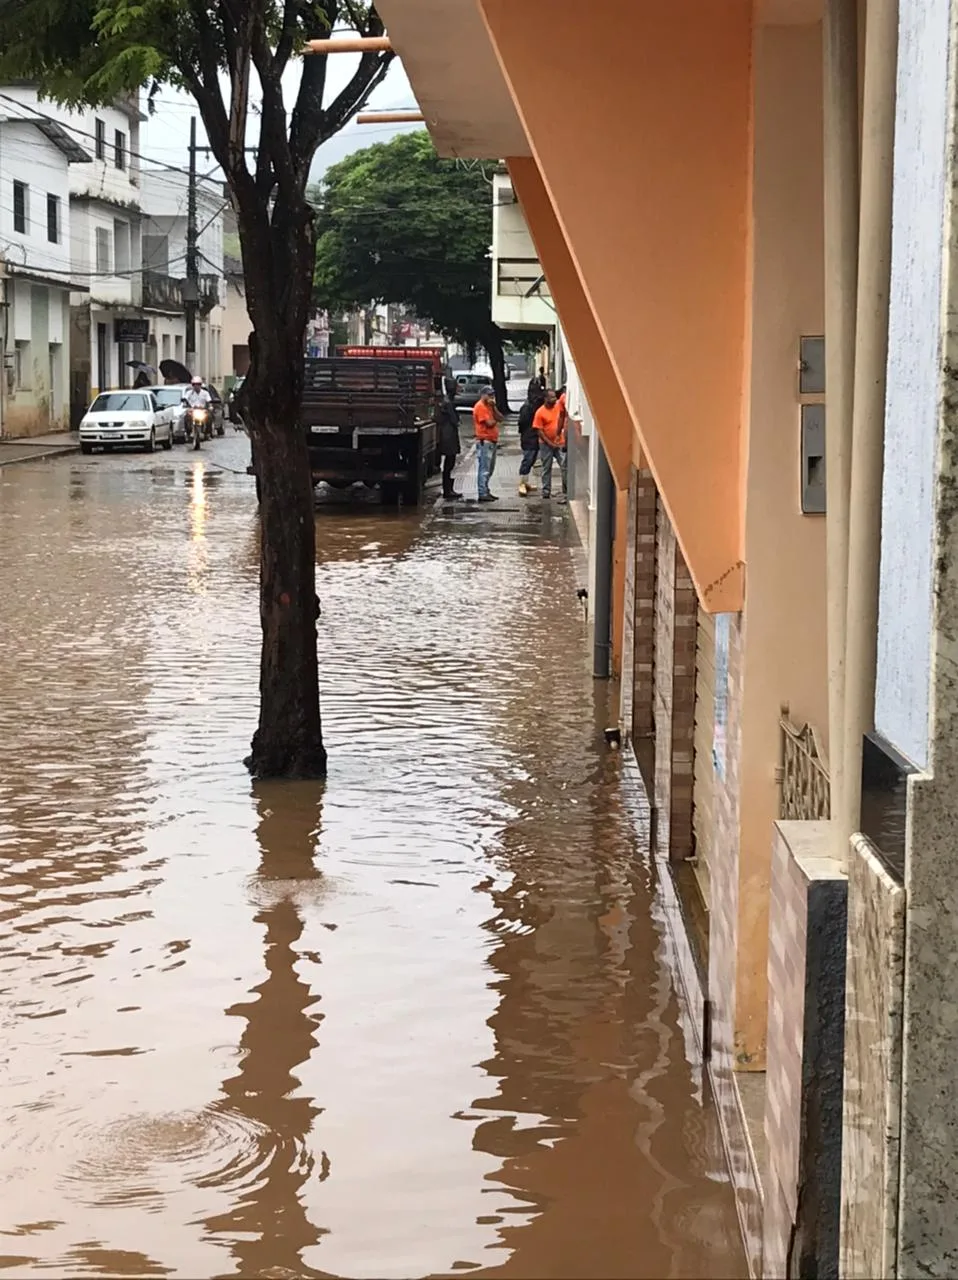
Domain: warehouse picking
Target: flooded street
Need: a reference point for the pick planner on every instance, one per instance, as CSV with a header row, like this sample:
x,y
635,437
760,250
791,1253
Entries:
x,y
417,1021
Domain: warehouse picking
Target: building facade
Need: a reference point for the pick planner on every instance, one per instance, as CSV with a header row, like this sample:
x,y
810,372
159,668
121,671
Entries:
x,y
35,265
745,215
165,200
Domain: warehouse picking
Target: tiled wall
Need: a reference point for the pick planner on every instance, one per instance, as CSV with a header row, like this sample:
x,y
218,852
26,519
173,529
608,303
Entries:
x,y
643,653
627,673
786,1015
803,1096
723,933
873,1066
674,694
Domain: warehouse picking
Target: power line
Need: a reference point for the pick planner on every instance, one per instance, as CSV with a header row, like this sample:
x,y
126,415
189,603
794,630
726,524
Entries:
x,y
84,133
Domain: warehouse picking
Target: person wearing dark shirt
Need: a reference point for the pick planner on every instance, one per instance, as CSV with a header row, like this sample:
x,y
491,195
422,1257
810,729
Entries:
x,y
447,419
529,440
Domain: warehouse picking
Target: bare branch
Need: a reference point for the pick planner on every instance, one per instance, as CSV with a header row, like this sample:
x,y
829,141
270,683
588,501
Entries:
x,y
370,74
238,60
307,114
274,139
292,12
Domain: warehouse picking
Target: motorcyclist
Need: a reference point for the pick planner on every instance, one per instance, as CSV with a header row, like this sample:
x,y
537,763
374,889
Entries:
x,y
197,397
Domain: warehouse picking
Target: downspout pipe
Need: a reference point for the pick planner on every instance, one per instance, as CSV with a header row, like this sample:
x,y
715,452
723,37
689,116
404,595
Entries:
x,y
868,418
840,51
604,529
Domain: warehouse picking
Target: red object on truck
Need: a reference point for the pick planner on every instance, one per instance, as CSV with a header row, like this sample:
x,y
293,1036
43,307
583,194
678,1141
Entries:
x,y
436,354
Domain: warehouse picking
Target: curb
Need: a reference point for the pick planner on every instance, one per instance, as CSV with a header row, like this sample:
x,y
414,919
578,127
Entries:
x,y
40,454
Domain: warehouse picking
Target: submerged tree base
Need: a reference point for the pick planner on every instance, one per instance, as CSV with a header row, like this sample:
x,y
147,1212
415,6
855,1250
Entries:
x,y
287,760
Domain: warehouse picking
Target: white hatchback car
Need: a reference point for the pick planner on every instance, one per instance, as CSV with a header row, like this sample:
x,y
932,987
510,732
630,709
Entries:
x,y
124,418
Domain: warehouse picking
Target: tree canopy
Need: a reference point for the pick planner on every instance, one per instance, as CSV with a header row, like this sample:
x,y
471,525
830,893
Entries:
x,y
397,223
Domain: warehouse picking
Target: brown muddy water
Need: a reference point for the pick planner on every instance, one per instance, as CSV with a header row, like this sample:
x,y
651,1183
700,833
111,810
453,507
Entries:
x,y
416,1022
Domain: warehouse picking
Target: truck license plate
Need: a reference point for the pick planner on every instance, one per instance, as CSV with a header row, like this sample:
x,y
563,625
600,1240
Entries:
x,y
324,430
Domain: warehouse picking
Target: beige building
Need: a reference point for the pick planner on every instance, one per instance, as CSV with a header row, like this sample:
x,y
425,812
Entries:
x,y
236,321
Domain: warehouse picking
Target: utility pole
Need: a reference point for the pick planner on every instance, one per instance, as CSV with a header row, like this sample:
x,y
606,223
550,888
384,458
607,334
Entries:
x,y
191,293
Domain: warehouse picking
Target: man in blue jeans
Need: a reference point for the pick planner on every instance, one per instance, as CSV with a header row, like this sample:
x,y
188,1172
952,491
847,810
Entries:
x,y
529,440
486,417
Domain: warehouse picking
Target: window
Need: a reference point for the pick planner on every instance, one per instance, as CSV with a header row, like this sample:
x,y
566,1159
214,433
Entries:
x,y
100,133
166,346
178,346
169,397
21,209
104,251
119,149
121,402
53,219
22,365
56,364
121,247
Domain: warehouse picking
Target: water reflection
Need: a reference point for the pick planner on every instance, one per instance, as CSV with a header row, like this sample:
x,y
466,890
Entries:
x,y
268,1226
588,1116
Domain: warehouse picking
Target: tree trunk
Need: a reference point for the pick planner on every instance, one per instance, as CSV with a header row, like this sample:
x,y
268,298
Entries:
x,y
288,742
497,361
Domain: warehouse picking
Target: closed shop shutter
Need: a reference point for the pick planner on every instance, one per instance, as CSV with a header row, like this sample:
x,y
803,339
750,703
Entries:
x,y
703,788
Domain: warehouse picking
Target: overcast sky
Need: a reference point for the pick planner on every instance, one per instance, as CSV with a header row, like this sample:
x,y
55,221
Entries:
x,y
166,135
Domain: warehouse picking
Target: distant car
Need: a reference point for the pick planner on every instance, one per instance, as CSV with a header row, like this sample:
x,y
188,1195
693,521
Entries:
x,y
118,419
232,412
171,396
469,388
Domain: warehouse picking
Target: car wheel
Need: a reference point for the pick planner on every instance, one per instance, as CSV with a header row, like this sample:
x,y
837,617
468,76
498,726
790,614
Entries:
x,y
168,442
151,443
86,448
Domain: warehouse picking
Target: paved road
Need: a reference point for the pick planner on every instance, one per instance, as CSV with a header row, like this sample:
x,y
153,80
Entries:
x,y
417,1020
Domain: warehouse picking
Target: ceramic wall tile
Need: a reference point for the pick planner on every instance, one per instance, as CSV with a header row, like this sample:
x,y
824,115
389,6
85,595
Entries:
x,y
873,1057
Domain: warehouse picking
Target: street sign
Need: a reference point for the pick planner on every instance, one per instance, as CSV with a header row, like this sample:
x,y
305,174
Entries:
x,y
131,330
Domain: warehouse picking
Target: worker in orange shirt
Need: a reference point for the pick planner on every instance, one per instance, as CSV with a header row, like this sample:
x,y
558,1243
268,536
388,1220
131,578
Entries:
x,y
549,422
486,417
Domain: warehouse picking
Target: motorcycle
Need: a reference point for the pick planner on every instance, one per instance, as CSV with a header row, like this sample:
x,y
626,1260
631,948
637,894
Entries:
x,y
199,426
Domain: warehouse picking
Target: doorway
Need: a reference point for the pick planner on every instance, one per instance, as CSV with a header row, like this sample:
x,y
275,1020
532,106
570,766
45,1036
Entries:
x,y
102,357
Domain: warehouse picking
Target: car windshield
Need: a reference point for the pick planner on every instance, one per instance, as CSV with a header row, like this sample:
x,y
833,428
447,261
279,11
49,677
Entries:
x,y
165,396
120,402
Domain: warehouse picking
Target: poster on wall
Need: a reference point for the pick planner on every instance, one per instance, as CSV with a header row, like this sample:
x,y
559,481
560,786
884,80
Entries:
x,y
720,732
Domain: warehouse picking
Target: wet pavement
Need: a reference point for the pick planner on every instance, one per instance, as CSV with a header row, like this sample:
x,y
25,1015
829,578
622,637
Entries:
x,y
418,1021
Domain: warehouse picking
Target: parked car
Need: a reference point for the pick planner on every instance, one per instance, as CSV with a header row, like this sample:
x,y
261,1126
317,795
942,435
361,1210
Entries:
x,y
469,388
171,396
123,418
232,412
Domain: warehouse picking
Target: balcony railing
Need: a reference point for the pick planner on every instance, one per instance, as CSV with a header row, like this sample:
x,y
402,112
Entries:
x,y
521,278
802,774
166,292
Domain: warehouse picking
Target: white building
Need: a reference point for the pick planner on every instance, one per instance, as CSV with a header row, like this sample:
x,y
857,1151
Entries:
x,y
165,201
520,292
107,323
35,264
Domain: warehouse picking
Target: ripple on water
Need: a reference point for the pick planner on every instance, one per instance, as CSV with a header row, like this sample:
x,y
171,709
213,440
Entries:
x,y
139,1160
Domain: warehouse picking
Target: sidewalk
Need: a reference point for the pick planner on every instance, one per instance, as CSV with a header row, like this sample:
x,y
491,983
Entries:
x,y
35,448
505,480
